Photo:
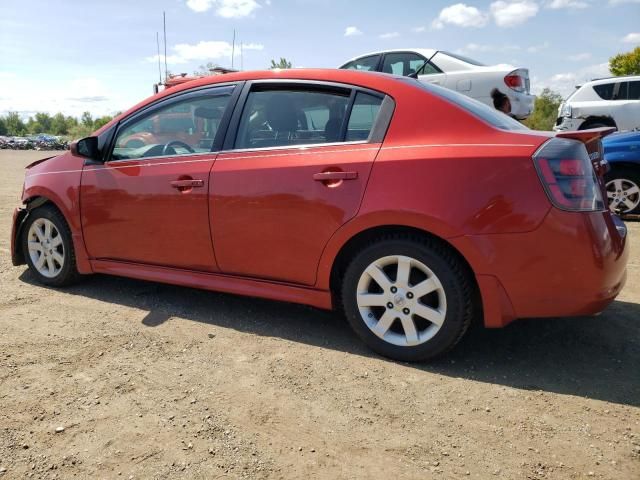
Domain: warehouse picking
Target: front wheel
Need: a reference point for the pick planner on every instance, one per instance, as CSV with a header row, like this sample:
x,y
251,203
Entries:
x,y
408,299
48,247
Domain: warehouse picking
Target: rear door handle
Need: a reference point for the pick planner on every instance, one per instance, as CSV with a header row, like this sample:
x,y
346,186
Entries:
x,y
180,184
324,176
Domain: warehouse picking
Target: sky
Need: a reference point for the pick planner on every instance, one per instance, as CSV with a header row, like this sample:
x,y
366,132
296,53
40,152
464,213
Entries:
x,y
100,56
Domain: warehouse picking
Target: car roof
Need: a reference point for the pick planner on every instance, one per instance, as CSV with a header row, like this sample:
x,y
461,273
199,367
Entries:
x,y
599,81
425,52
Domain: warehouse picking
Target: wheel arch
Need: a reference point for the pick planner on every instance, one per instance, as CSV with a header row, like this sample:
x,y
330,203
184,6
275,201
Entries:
x,y
366,236
606,119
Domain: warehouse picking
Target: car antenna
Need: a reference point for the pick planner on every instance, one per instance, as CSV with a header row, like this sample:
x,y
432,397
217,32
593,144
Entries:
x,y
233,47
415,74
158,47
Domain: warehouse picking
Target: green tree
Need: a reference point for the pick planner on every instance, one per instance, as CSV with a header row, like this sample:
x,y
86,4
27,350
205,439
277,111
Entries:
x,y
79,131
283,63
101,121
625,63
205,70
59,125
3,127
15,125
87,119
545,110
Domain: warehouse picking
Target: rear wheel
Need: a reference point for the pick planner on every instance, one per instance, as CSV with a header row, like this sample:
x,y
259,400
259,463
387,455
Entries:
x,y
408,299
623,191
48,247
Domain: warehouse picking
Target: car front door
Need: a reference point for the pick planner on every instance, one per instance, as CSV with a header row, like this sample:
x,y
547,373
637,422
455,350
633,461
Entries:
x,y
148,202
296,168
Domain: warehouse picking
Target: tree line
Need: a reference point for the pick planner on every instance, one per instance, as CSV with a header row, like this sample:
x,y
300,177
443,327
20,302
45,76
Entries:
x,y
12,124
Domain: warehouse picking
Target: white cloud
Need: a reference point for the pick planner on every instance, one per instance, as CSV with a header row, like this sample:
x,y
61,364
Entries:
x,y
225,8
460,15
632,38
352,31
418,29
578,57
619,2
537,48
209,50
476,47
388,35
512,13
570,4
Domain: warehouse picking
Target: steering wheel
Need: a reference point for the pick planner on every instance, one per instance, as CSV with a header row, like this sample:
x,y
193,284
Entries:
x,y
177,143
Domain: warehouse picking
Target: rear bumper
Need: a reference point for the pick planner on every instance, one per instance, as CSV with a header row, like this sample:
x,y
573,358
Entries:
x,y
574,264
19,215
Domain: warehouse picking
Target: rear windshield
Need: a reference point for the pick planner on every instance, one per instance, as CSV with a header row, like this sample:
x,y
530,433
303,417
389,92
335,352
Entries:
x,y
490,115
462,58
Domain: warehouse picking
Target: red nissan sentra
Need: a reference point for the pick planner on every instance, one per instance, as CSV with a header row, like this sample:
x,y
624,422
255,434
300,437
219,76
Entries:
x,y
413,208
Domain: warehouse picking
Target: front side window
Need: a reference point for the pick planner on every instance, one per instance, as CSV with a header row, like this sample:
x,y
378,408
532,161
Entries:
x,y
180,128
604,91
404,63
365,64
274,118
634,90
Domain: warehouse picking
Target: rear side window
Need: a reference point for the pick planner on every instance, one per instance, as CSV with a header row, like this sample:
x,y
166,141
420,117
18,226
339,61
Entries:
x,y
620,91
273,118
634,90
365,64
403,63
363,115
490,115
604,90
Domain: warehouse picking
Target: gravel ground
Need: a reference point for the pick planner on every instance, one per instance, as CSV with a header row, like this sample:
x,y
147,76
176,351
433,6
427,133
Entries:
x,y
117,378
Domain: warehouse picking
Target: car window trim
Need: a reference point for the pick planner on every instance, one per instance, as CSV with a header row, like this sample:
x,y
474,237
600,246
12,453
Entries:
x,y
376,68
179,97
234,123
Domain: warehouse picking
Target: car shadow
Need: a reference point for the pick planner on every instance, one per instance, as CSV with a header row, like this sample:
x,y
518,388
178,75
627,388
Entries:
x,y
591,357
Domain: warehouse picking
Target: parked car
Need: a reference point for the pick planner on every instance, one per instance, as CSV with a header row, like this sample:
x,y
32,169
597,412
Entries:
x,y
622,151
608,102
454,71
329,188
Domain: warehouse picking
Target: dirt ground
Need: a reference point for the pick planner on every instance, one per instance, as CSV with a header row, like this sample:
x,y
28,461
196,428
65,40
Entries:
x,y
155,381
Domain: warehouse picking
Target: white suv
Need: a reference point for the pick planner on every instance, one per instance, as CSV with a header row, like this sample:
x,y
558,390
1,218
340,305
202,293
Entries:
x,y
454,71
608,102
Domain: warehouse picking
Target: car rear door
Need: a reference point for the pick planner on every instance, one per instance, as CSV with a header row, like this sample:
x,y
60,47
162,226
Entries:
x,y
148,203
296,162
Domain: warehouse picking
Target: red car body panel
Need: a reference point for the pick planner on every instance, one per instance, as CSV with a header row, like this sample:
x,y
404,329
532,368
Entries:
x,y
161,224
262,212
261,225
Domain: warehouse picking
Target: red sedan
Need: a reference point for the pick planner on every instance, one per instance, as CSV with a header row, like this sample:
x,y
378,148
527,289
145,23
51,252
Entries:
x,y
414,209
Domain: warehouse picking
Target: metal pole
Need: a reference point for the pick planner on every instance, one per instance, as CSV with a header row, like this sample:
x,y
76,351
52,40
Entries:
x,y
241,57
233,47
164,24
158,47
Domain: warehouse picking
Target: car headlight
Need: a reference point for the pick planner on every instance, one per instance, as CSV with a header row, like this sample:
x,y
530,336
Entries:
x,y
565,110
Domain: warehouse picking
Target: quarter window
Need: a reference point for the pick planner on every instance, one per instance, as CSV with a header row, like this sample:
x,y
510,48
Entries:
x,y
273,118
634,90
363,116
180,128
366,64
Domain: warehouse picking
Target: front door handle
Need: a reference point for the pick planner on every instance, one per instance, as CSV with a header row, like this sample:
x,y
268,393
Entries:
x,y
328,176
186,184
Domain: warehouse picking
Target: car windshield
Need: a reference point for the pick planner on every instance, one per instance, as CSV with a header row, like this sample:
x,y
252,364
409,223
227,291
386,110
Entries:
x,y
491,116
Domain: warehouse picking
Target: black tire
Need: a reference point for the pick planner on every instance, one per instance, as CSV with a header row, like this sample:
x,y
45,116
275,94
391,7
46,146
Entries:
x,y
454,278
628,175
68,274
588,125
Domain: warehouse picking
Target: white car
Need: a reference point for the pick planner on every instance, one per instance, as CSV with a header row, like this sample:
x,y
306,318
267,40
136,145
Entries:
x,y
608,102
455,72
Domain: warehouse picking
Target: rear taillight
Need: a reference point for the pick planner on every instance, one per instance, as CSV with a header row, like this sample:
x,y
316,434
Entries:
x,y
567,175
517,80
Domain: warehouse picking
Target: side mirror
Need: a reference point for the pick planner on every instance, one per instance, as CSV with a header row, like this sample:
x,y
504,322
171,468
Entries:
x,y
86,147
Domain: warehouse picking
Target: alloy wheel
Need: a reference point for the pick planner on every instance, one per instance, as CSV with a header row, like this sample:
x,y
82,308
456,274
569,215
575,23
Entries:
x,y
623,195
46,247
